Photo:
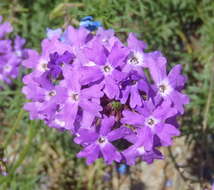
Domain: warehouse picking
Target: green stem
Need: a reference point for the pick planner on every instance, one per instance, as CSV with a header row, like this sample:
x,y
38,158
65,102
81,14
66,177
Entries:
x,y
205,125
93,173
13,130
209,101
32,133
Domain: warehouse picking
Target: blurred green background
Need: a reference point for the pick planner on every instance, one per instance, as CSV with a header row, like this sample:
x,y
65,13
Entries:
x,y
42,158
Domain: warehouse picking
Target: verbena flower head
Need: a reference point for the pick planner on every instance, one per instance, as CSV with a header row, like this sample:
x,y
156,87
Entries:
x,y
12,53
119,101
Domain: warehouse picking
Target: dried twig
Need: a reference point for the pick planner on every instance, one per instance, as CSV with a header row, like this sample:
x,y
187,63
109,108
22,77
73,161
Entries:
x,y
177,167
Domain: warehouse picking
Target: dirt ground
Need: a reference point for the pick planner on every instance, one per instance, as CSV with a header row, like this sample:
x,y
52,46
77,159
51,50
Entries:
x,y
173,173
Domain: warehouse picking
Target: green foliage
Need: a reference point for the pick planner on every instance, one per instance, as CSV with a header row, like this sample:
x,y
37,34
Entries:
x,y
182,29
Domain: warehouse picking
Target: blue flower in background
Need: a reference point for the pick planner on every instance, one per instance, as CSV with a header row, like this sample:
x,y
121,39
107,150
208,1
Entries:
x,y
122,169
89,23
169,183
86,18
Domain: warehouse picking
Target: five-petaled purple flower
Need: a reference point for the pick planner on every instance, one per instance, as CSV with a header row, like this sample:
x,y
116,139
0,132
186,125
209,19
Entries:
x,y
98,142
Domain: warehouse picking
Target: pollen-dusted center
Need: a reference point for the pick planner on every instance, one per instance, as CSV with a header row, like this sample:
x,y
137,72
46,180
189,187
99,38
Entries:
x,y
134,61
101,140
136,58
107,69
162,88
151,121
7,68
73,96
44,66
52,93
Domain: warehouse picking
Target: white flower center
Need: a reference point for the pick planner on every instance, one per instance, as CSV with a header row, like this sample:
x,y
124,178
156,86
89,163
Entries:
x,y
7,68
73,96
107,69
50,94
43,65
136,59
102,141
151,122
18,53
141,150
164,88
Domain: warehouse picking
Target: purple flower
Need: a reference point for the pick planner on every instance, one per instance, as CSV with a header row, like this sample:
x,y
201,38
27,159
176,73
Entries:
x,y
74,97
76,37
106,37
151,121
19,46
99,143
138,150
8,67
105,67
57,62
134,87
168,87
137,59
5,28
5,47
40,62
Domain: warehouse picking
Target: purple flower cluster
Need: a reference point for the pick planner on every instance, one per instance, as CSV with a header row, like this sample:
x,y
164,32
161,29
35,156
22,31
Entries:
x,y
119,101
11,53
